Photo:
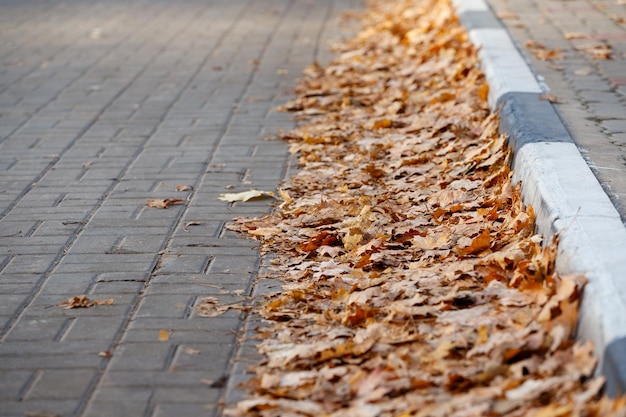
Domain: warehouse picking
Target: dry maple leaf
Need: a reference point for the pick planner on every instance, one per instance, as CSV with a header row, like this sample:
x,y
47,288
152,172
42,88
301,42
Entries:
x,y
506,15
549,97
164,335
265,231
212,307
583,71
182,187
245,196
596,50
576,35
164,203
543,53
82,301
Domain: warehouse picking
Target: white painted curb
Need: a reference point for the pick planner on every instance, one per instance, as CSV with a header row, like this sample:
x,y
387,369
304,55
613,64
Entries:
x,y
505,69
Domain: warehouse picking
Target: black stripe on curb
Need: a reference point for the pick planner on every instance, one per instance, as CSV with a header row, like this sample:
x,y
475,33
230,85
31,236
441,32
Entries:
x,y
526,118
614,367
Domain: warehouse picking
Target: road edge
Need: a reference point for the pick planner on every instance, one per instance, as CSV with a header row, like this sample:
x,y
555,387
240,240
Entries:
x,y
567,198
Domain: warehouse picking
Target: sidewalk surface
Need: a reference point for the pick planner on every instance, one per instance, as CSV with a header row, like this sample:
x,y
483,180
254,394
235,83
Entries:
x,y
105,105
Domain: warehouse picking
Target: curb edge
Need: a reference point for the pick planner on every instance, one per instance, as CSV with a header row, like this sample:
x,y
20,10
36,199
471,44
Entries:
x,y
559,184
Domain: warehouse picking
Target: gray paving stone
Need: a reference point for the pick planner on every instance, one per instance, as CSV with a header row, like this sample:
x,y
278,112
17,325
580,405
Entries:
x,y
60,383
41,360
68,284
127,267
32,279
183,410
29,264
116,287
223,326
123,276
187,264
607,110
619,138
614,126
37,329
119,401
143,356
239,265
93,328
10,302
15,288
199,394
171,378
39,407
165,305
12,382
229,281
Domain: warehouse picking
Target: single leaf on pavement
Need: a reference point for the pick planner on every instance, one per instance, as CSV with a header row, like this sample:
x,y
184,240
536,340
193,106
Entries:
x,y
164,335
212,307
246,196
164,203
82,301
549,97
183,187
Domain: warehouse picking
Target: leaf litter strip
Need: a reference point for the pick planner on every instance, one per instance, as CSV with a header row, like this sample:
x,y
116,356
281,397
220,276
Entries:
x,y
414,284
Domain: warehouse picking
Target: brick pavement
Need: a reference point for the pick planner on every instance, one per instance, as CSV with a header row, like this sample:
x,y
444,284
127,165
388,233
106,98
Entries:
x,y
104,105
591,92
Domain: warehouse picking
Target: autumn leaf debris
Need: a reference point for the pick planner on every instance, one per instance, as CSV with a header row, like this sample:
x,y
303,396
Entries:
x,y
164,203
245,196
82,301
414,284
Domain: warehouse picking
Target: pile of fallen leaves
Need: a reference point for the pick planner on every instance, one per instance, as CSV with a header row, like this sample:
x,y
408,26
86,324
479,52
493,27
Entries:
x,y
414,282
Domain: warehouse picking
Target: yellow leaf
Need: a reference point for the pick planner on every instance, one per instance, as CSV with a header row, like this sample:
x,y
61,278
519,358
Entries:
x,y
351,241
164,335
285,196
576,35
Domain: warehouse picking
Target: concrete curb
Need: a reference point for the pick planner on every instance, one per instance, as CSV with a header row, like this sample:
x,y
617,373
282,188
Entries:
x,y
559,184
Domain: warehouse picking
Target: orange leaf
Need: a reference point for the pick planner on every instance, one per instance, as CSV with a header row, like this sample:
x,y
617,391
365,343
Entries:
x,y
382,124
479,244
